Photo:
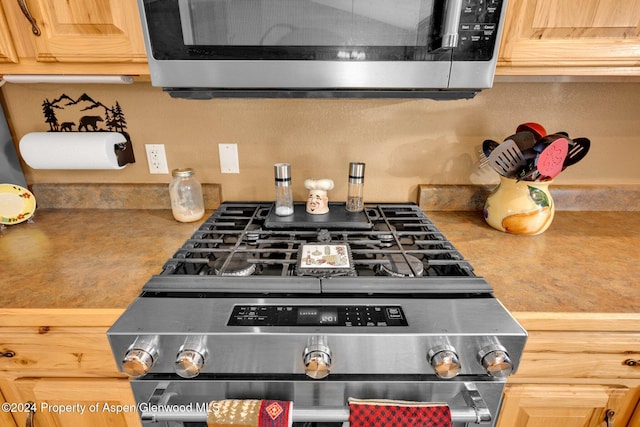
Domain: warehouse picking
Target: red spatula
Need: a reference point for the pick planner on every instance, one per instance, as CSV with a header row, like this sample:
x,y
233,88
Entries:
x,y
551,159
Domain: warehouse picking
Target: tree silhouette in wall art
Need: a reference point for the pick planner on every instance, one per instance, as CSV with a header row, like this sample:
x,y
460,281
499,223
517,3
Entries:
x,y
65,114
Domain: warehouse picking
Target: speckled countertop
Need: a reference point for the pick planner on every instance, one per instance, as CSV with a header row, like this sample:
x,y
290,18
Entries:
x,y
78,258
101,258
585,262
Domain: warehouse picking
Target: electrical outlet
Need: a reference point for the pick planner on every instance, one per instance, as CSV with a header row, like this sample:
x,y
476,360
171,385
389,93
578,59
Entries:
x,y
157,158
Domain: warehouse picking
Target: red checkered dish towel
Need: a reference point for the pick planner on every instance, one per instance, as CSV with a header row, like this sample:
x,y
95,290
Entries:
x,y
397,413
249,413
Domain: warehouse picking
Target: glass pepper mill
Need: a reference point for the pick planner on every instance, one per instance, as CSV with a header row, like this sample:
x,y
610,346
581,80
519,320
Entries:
x,y
355,189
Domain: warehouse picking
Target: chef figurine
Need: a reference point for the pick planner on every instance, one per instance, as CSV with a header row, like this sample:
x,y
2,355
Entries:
x,y
318,201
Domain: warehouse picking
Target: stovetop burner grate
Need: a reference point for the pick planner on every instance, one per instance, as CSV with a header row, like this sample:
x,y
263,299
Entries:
x,y
236,241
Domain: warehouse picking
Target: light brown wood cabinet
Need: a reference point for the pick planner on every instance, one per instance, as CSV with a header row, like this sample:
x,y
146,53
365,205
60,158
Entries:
x,y
6,419
61,361
7,51
88,37
78,402
528,405
576,369
589,37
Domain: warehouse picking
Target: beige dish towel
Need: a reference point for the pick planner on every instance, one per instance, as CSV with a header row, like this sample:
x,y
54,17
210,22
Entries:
x,y
249,413
397,413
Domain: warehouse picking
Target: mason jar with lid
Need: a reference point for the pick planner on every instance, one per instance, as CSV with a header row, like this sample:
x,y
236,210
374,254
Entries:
x,y
187,203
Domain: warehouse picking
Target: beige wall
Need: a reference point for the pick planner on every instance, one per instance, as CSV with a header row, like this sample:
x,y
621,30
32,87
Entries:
x,y
403,142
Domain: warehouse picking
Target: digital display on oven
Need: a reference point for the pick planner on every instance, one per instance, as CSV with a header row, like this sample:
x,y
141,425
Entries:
x,y
309,315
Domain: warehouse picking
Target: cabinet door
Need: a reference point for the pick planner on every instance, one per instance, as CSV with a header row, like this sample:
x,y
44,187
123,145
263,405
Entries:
x,y
7,51
634,419
575,36
88,31
63,402
528,405
5,415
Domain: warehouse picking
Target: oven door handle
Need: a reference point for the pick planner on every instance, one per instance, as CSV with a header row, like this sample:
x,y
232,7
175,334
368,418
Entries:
x,y
476,413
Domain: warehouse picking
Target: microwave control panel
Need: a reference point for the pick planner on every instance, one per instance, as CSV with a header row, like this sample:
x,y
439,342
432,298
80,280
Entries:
x,y
478,31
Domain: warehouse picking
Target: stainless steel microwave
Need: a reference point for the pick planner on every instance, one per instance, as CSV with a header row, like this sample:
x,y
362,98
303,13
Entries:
x,y
322,48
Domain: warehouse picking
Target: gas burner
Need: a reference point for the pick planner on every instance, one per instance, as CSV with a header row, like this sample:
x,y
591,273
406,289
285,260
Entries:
x,y
402,266
238,266
384,233
252,234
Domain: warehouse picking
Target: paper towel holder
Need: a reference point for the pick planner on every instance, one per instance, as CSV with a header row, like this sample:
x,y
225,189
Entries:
x,y
113,119
124,151
77,150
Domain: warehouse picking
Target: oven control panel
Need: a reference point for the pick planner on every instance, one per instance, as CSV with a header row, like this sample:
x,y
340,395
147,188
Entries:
x,y
313,315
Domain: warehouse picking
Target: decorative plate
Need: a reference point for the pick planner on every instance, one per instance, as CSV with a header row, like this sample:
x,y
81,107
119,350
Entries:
x,y
17,204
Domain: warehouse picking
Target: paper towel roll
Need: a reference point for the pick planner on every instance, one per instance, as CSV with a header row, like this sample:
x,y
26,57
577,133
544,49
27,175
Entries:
x,y
71,150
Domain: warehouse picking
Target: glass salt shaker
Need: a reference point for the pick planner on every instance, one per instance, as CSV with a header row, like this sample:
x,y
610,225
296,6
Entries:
x,y
355,189
284,196
187,203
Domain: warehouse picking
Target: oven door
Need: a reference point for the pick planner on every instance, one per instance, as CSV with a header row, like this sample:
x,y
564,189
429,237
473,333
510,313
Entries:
x,y
181,402
320,44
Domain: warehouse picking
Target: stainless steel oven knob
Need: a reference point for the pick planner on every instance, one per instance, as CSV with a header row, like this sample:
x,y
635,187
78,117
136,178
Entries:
x,y
317,361
140,357
496,361
191,357
444,361
189,363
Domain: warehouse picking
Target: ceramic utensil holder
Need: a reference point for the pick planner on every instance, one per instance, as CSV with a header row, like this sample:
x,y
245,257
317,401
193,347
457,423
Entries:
x,y
524,207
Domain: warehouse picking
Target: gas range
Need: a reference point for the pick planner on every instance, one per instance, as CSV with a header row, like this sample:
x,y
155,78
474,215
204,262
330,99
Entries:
x,y
317,309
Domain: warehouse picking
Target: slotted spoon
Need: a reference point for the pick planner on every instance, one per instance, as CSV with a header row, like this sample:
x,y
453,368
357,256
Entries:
x,y
578,149
507,159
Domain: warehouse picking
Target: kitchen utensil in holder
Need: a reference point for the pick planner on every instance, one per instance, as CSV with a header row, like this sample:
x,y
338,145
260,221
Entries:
x,y
507,159
520,207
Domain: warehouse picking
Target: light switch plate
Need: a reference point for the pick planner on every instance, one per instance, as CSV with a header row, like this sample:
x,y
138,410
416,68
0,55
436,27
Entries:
x,y
229,162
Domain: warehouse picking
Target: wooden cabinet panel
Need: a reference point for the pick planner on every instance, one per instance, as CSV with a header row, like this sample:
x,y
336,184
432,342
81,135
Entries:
x,y
63,402
76,351
575,368
6,419
561,405
62,357
89,31
634,419
7,51
585,19
76,37
560,37
592,355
